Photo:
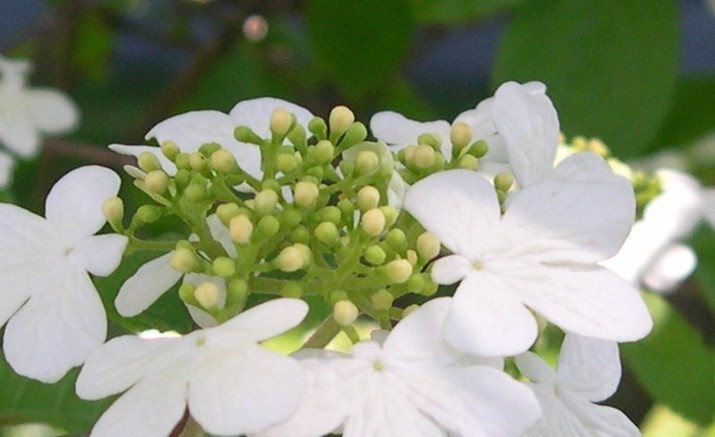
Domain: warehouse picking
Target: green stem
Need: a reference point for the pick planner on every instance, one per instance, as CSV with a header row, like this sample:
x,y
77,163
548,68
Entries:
x,y
327,330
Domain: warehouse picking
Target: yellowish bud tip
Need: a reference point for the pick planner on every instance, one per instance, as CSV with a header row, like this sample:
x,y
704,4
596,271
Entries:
x,y
428,245
281,122
468,162
207,295
341,117
423,156
373,222
240,229
367,162
398,271
409,310
197,161
382,300
113,209
322,152
345,313
503,181
156,181
223,161
183,260
265,202
460,135
292,258
305,194
170,149
411,257
147,162
368,198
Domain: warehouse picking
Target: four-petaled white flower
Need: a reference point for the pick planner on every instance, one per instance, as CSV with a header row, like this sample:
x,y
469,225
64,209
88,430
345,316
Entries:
x,y
413,384
56,318
26,113
193,129
540,254
588,371
231,384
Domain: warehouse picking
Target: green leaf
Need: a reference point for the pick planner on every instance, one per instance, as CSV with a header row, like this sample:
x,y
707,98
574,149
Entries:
x,y
359,44
24,400
610,65
93,41
703,242
673,364
453,12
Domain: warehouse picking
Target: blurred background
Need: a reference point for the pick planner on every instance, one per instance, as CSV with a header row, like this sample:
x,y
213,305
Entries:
x,y
639,74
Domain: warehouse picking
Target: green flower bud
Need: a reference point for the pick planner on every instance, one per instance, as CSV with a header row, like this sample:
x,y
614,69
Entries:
x,y
316,172
373,222
197,161
113,210
183,260
244,134
411,257
415,283
327,233
397,240
479,149
186,293
182,177
423,156
237,291
428,246
429,288
265,202
322,153
268,225
329,214
286,163
292,290
382,300
375,255
503,181
148,213
170,149
390,214
345,313
227,211
182,161
318,128
156,181
468,162
207,149
224,267
240,229
501,196
368,198
460,135
337,296
223,161
300,234
398,271
409,310
347,209
147,162
297,135
341,117
431,139
291,217
367,162
346,167
357,132
281,122
207,295
195,192
305,194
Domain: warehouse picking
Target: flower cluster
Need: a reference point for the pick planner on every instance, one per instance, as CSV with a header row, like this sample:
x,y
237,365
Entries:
x,y
458,244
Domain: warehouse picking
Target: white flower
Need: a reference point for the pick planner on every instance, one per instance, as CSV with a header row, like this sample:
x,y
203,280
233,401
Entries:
x,y
157,276
26,113
193,129
588,371
652,254
231,384
55,315
414,384
540,254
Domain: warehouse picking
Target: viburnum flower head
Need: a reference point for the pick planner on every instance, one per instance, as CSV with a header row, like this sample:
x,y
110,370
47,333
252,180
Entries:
x,y
54,316
232,385
588,371
412,383
541,254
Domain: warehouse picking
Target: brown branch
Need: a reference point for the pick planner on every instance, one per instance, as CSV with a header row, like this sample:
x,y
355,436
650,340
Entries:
x,y
85,152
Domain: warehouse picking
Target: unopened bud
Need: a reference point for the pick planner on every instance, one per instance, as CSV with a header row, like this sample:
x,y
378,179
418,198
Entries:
x,y
479,149
390,214
268,225
415,283
397,240
186,293
170,149
428,246
503,181
156,181
431,139
148,213
265,202
286,162
382,300
300,234
281,122
197,161
227,211
244,134
341,117
345,313
423,156
460,135
297,135
223,161
113,210
398,271
182,161
305,194
237,291
409,310
329,214
367,162
322,152
207,295
195,192
293,258
240,229
373,222
183,260
147,162
356,133
368,198
182,177
468,162
327,233
375,255
411,257
224,267
318,128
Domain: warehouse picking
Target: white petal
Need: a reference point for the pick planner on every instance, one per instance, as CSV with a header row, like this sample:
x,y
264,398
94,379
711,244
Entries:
x,y
151,408
460,207
591,301
584,166
248,157
450,269
589,367
135,151
122,362
19,136
599,420
51,111
57,328
220,233
145,286
487,319
528,123
398,130
74,204
534,368
569,222
670,268
193,129
263,389
266,320
256,114
101,254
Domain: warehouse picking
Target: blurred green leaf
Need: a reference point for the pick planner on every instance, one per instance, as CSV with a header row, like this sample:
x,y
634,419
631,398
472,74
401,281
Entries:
x,y
454,12
24,400
673,364
93,40
703,243
610,65
359,44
